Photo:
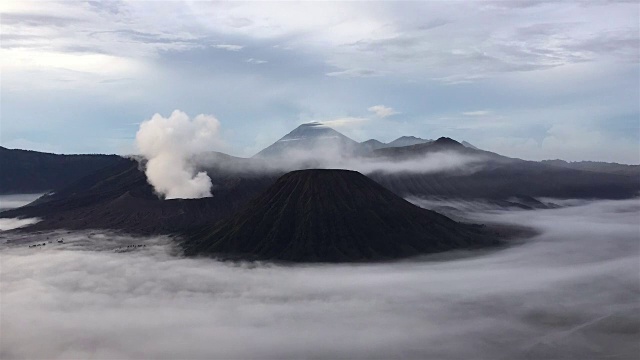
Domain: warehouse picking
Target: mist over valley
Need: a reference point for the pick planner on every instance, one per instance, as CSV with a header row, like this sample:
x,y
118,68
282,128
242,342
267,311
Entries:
x,y
571,291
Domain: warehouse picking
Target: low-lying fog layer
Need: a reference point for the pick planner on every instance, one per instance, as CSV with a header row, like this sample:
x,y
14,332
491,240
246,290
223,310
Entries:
x,y
573,291
10,224
328,158
17,200
14,201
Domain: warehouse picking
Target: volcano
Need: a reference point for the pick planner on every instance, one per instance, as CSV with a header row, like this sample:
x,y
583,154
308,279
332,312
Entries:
x,y
332,216
310,138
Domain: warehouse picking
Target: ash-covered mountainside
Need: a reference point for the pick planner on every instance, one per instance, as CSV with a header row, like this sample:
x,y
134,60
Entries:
x,y
25,171
332,216
119,197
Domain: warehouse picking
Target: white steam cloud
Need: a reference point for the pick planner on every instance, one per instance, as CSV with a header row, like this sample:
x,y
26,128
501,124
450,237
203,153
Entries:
x,y
382,111
168,144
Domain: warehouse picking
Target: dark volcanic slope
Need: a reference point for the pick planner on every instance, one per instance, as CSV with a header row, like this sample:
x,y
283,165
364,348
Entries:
x,y
119,197
500,177
526,178
332,216
23,171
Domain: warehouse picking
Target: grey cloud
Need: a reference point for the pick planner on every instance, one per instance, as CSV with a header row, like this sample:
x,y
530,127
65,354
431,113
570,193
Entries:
x,y
398,42
533,41
622,44
152,38
432,24
12,40
524,4
489,50
112,7
497,55
239,22
82,49
16,37
32,19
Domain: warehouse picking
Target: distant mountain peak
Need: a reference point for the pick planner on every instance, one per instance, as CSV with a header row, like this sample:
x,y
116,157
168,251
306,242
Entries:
x,y
447,141
372,144
408,141
307,137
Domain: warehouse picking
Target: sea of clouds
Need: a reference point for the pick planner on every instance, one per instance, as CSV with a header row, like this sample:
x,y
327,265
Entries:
x,y
572,291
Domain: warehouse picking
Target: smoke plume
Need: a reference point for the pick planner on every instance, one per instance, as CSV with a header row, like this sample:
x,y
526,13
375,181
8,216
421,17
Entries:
x,y
168,144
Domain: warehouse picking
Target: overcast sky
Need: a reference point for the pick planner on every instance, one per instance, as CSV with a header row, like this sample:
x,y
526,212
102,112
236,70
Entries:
x,y
530,79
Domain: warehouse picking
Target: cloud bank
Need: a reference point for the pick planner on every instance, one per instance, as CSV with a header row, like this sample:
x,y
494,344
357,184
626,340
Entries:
x,y
570,292
168,144
325,155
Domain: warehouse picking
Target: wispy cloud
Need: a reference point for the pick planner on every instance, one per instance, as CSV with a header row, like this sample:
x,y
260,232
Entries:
x,y
229,47
354,73
382,111
476,113
345,121
256,61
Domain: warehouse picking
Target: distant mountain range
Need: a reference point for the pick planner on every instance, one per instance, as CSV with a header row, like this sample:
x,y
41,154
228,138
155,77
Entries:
x,y
316,135
25,171
407,141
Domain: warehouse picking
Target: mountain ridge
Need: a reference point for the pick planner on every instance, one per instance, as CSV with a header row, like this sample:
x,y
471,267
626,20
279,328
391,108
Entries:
x,y
28,171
